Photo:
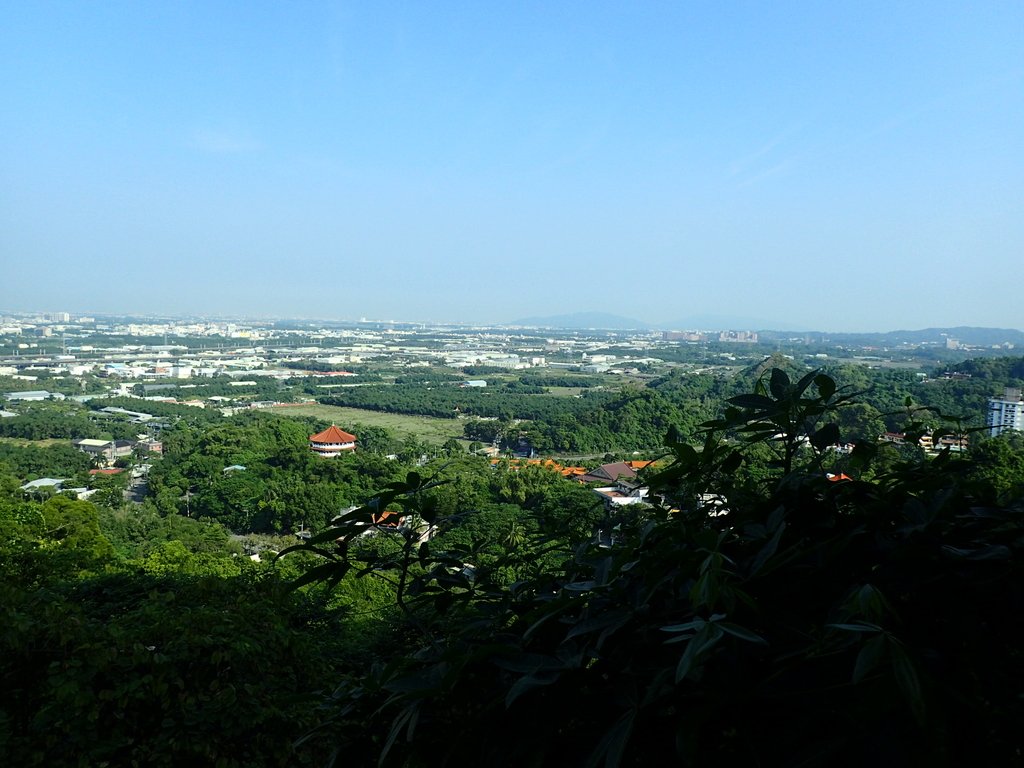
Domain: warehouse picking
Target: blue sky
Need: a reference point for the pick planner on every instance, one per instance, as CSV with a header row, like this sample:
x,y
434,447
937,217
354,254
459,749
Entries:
x,y
852,166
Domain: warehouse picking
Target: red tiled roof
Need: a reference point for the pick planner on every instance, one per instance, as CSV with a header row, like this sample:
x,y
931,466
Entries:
x,y
105,471
332,435
609,472
547,463
638,465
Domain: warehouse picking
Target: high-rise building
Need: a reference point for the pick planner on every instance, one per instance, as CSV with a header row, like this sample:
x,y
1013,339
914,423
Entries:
x,y
1006,412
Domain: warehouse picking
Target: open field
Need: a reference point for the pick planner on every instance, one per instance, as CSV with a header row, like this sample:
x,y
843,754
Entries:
x,y
564,391
37,443
427,428
911,364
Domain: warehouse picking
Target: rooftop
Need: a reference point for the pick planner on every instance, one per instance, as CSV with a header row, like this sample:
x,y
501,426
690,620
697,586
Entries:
x,y
332,435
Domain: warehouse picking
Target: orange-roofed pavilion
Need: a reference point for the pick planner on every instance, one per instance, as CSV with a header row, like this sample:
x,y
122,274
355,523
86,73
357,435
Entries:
x,y
331,442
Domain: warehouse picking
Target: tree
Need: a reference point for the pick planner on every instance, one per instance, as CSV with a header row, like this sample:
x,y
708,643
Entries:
x,y
452,447
998,468
57,539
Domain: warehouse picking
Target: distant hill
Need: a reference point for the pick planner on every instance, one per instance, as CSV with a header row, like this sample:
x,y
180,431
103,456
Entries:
x,y
581,320
964,334
771,329
968,335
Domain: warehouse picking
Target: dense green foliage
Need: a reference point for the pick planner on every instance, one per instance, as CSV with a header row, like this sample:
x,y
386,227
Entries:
x,y
256,474
449,401
132,637
127,638
798,621
164,410
757,614
31,461
156,669
636,418
594,421
68,420
1005,371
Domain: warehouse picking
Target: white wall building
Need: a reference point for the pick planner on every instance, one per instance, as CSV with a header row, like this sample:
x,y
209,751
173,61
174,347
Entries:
x,y
1006,413
36,394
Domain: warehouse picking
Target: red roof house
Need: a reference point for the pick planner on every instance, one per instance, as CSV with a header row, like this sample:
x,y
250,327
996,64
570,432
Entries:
x,y
331,442
608,473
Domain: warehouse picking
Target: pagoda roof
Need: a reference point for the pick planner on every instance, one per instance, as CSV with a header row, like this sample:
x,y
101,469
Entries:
x,y
332,435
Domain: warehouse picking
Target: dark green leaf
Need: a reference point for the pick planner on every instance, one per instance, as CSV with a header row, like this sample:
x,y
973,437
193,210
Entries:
x,y
703,641
741,632
804,383
826,386
612,745
732,462
528,683
768,549
870,656
580,586
779,384
329,534
443,602
400,722
595,623
860,626
907,680
319,573
687,627
751,401
864,452
826,436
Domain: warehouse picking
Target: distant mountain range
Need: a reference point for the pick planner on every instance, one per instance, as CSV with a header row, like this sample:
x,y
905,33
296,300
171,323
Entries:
x,y
969,335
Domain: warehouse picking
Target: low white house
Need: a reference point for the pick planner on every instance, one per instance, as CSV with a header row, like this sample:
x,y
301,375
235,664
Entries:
x,y
105,450
56,483
624,492
34,394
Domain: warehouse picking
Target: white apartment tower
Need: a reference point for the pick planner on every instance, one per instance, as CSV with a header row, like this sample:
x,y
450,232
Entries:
x,y
1006,412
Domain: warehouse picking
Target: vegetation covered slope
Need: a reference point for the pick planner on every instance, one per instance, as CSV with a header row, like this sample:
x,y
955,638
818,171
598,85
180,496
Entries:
x,y
758,614
783,620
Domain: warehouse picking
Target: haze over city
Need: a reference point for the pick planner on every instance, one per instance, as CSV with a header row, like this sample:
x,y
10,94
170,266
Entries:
x,y
796,165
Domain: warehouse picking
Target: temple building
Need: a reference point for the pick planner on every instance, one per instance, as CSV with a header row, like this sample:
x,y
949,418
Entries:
x,y
331,442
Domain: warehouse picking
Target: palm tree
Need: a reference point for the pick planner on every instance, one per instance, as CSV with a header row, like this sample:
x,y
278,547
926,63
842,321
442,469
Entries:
x,y
515,537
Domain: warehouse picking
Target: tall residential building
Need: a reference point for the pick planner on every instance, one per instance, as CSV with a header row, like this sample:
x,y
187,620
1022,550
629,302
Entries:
x,y
1006,412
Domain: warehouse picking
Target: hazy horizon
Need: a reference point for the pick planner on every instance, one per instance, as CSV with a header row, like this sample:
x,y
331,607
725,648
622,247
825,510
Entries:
x,y
704,324
824,168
